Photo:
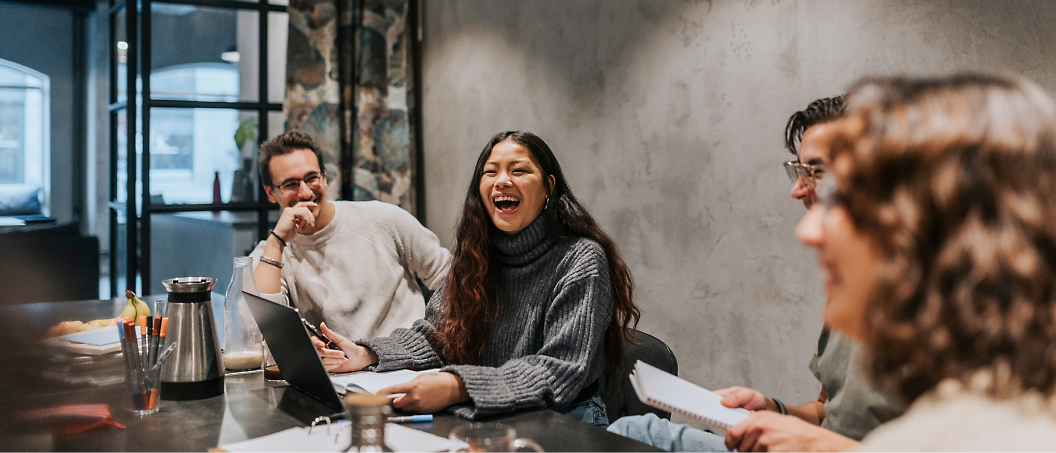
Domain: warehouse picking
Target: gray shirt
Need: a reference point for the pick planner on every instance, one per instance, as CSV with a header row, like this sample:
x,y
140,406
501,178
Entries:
x,y
854,408
554,303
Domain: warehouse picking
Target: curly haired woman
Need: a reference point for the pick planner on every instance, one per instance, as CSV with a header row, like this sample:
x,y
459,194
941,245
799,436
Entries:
x,y
537,300
938,240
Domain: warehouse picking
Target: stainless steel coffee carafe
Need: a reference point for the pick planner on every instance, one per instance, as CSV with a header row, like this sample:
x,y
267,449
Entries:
x,y
196,369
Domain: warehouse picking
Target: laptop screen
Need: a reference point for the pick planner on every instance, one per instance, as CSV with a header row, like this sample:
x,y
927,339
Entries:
x,y
292,348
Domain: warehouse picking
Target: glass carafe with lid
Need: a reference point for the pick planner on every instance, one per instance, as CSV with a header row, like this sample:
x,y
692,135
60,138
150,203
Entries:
x,y
243,348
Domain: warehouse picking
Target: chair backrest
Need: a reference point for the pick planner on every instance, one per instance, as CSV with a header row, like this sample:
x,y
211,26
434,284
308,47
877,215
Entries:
x,y
620,399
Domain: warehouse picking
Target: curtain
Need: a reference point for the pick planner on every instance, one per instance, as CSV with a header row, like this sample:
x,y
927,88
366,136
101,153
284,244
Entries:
x,y
350,86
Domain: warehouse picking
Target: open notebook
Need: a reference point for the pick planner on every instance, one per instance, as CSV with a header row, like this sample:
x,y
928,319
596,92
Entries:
x,y
662,390
369,382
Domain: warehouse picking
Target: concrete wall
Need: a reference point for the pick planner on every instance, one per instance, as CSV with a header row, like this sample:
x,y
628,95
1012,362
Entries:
x,y
667,117
42,38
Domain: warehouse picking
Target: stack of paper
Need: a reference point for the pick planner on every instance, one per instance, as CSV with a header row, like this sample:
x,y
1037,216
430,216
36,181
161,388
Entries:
x,y
664,391
93,342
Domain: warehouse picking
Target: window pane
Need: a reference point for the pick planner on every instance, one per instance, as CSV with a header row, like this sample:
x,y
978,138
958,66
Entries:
x,y
121,165
192,36
224,37
276,124
12,137
196,81
191,148
248,54
208,37
278,32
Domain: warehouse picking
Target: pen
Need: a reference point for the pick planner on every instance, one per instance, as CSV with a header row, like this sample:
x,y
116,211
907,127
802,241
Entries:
x,y
126,355
128,335
152,351
412,418
316,332
153,374
141,323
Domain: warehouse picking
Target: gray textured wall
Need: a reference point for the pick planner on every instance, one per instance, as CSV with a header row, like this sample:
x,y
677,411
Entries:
x,y
667,117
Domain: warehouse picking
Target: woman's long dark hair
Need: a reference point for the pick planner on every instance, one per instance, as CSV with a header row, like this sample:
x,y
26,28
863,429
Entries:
x,y
469,297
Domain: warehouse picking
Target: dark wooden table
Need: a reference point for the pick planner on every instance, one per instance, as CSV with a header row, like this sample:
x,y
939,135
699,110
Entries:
x,y
33,376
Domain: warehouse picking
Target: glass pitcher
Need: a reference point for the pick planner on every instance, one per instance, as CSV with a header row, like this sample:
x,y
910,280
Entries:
x,y
243,348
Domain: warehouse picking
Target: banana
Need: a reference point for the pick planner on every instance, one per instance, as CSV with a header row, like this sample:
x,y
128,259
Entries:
x,y
139,308
130,307
142,309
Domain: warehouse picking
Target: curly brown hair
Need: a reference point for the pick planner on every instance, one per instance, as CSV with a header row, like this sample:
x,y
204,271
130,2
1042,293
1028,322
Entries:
x,y
955,181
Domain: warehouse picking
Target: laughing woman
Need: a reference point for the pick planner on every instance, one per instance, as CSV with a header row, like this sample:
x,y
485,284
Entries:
x,y
939,244
538,300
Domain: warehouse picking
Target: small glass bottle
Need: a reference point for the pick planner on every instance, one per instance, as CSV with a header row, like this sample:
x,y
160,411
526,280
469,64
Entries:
x,y
243,348
367,415
216,188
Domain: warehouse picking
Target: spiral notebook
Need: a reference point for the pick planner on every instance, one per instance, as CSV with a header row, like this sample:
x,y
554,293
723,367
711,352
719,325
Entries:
x,y
665,391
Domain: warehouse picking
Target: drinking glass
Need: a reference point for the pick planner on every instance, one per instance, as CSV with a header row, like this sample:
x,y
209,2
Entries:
x,y
271,368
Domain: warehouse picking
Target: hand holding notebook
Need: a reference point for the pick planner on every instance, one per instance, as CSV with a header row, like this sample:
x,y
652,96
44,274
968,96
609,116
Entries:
x,y
662,390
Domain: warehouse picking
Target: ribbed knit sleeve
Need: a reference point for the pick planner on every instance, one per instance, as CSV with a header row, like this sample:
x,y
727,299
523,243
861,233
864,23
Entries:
x,y
573,334
409,348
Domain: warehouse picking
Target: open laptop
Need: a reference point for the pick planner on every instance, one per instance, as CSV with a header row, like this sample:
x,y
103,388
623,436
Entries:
x,y
292,348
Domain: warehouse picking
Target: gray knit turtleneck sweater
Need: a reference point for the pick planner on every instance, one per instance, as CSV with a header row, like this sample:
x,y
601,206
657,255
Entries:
x,y
554,304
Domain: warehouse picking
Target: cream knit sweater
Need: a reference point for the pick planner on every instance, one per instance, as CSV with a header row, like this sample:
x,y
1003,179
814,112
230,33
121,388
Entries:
x,y
953,418
357,273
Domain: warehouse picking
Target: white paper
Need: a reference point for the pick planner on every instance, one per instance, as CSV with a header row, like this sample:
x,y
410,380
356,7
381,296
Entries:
x,y
370,382
337,438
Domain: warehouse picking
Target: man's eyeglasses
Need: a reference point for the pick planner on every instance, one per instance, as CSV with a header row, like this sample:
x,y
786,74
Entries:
x,y
291,186
809,173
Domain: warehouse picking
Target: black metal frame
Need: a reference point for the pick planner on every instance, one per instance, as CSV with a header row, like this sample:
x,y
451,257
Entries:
x,y
417,15
138,36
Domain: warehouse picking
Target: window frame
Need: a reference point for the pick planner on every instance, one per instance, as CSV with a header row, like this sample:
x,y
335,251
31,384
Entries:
x,y
136,216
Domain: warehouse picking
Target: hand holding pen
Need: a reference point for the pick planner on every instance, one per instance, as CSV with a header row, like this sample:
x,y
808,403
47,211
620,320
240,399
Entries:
x,y
351,357
314,331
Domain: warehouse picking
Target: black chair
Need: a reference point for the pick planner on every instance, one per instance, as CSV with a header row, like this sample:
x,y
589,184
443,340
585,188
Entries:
x,y
620,399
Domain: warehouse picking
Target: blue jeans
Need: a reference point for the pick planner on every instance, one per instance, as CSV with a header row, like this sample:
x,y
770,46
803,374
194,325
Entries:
x,y
661,433
591,411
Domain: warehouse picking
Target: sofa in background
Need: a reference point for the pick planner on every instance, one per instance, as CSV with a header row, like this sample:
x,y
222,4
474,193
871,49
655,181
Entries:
x,y
48,263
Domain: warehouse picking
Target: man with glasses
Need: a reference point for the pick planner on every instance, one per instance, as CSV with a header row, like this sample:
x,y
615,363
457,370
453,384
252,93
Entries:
x,y
847,409
350,264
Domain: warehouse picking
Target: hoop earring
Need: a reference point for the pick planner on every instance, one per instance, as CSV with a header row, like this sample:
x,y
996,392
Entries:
x,y
547,204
